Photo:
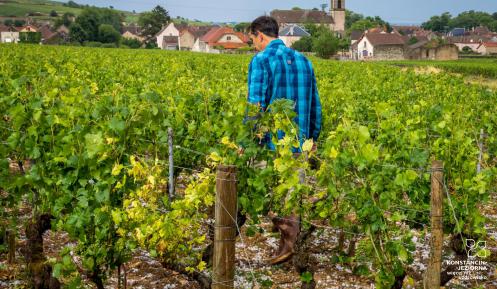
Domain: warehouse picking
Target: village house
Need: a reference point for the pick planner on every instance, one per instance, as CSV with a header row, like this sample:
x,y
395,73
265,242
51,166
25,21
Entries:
x,y
470,41
189,35
168,38
132,32
487,48
50,37
432,50
8,34
291,34
379,46
220,38
335,19
27,28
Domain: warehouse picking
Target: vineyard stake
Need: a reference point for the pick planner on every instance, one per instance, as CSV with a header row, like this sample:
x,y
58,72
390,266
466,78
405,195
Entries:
x,y
11,238
171,163
432,276
223,264
480,156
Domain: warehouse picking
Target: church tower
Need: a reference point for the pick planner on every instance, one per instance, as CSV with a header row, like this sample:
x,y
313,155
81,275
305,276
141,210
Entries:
x,y
338,14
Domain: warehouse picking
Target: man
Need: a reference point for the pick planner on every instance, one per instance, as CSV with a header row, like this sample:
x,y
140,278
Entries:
x,y
280,72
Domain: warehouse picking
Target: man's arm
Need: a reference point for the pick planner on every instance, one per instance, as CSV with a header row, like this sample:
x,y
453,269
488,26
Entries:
x,y
316,115
257,82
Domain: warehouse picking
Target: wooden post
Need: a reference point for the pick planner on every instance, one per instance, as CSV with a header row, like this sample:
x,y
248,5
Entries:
x,y
171,164
480,156
11,239
223,265
432,276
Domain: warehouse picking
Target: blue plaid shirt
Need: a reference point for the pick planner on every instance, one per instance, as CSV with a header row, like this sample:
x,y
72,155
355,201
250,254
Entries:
x,y
281,72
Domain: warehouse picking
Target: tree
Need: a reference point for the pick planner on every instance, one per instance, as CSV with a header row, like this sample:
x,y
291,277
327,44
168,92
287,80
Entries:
x,y
412,40
54,13
77,33
65,20
326,45
296,8
30,37
438,23
241,27
153,21
8,22
304,44
19,23
108,34
494,16
351,18
131,43
470,19
91,18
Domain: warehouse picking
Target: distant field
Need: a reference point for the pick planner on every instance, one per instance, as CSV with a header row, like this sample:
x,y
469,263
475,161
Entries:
x,y
469,67
19,8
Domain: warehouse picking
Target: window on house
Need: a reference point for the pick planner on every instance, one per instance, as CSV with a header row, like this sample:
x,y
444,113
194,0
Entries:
x,y
228,38
365,45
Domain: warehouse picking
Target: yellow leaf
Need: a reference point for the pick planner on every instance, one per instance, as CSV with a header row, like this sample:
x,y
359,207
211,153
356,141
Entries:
x,y
307,146
333,153
116,170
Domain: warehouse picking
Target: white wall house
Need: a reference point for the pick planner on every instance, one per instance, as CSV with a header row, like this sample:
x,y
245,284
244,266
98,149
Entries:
x,y
9,37
365,49
169,32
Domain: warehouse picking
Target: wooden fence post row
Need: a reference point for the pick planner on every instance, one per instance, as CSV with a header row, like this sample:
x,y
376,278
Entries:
x,y
223,265
432,275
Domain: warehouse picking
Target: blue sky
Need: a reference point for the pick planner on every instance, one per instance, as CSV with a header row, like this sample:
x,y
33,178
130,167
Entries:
x,y
394,11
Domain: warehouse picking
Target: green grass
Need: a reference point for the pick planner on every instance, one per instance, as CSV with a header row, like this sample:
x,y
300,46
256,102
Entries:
x,y
467,67
19,8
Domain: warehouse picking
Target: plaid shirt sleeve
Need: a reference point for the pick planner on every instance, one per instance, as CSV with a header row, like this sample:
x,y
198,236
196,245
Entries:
x,y
257,82
315,115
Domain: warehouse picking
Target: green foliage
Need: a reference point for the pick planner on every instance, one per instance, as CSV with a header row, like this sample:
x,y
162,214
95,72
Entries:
x,y
64,20
355,21
89,21
8,22
107,34
467,19
412,40
304,44
96,135
77,33
241,27
19,23
153,21
30,37
325,45
54,13
131,43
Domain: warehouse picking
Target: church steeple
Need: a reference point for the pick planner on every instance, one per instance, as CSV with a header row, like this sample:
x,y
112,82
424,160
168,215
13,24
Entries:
x,y
338,14
338,4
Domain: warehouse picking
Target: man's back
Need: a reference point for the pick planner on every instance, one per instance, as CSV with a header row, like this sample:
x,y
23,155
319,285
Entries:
x,y
281,72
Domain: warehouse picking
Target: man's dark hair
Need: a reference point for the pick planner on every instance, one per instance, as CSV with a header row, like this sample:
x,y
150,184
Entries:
x,y
266,25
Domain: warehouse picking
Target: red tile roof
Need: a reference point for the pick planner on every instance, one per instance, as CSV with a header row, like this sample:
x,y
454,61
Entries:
x,y
217,32
489,44
301,16
377,39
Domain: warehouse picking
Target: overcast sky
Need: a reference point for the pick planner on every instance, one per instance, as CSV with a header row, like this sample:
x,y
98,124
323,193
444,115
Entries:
x,y
394,11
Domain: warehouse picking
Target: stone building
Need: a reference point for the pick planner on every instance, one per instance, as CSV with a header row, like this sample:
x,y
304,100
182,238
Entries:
x,y
379,46
334,19
432,51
